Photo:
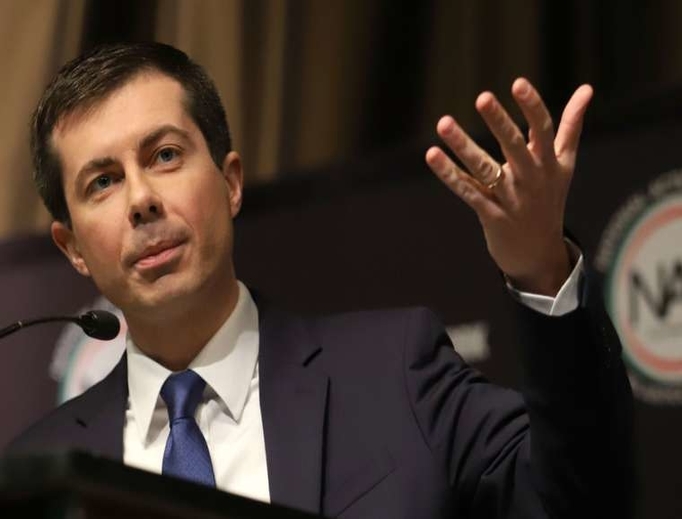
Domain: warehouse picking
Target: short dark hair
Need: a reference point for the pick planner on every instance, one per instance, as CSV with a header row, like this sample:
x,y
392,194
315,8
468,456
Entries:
x,y
94,75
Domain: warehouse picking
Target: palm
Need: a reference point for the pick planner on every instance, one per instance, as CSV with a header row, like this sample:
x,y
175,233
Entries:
x,y
523,214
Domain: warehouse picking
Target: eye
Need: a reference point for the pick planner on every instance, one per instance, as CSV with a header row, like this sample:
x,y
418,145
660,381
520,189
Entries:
x,y
101,182
166,155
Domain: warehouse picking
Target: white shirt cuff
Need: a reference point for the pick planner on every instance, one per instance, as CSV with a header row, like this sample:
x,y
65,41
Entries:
x,y
565,301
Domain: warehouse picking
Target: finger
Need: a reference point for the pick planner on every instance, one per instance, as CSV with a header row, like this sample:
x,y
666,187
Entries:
x,y
571,125
504,129
477,161
539,120
459,182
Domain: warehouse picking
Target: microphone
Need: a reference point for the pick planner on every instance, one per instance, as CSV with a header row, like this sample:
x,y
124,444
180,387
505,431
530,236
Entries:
x,y
98,324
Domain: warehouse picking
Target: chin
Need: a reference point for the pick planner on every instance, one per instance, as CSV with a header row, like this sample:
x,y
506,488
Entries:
x,y
166,296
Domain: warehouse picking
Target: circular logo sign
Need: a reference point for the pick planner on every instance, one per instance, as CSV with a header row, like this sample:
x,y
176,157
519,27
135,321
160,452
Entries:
x,y
641,256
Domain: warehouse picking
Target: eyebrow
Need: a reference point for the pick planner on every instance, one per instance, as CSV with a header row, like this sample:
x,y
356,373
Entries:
x,y
160,132
148,140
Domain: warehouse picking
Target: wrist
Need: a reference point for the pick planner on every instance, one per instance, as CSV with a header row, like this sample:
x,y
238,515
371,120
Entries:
x,y
548,276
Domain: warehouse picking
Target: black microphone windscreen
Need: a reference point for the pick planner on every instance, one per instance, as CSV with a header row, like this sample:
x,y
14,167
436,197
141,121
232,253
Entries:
x,y
100,324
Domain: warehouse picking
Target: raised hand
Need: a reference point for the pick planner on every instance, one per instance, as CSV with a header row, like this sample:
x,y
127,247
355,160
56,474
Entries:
x,y
520,203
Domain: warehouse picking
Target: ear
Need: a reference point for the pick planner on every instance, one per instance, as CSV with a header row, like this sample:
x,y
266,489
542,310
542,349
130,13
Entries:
x,y
67,243
234,177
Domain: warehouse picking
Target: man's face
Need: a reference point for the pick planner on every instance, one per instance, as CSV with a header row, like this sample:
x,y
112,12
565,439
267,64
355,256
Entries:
x,y
151,213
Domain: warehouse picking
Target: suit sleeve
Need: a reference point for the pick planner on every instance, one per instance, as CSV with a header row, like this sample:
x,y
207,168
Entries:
x,y
561,448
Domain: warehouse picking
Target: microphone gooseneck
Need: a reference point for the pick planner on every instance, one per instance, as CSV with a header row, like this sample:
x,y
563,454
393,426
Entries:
x,y
98,324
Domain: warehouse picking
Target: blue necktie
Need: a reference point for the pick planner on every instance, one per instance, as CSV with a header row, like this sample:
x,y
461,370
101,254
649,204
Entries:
x,y
186,455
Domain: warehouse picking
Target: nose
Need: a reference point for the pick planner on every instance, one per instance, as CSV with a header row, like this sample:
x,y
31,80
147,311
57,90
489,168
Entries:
x,y
145,204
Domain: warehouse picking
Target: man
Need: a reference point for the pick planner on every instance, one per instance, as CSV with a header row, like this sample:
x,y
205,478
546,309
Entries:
x,y
370,414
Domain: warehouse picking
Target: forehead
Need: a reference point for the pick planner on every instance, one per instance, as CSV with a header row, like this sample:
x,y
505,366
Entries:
x,y
121,119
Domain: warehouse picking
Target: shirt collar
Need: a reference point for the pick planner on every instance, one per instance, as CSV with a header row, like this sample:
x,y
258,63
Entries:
x,y
227,363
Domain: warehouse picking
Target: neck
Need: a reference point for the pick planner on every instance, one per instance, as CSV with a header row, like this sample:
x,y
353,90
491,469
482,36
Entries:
x,y
177,338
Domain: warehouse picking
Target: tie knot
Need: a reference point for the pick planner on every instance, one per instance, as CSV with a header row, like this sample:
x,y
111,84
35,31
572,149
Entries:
x,y
182,393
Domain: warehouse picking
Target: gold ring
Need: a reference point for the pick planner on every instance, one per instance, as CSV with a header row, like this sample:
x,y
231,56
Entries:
x,y
498,177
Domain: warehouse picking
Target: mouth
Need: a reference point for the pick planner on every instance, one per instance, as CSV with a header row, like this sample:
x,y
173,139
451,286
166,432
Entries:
x,y
157,255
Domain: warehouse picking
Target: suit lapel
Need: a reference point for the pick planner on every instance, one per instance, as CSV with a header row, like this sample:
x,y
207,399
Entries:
x,y
98,419
293,393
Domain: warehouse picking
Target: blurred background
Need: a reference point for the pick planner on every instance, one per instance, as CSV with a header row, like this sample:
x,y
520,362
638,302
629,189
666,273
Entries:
x,y
332,105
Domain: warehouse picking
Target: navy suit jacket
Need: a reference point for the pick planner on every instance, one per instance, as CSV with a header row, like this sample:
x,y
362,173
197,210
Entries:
x,y
373,414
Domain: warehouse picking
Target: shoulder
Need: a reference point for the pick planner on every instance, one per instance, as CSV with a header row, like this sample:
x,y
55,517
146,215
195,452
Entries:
x,y
382,339
400,333
390,321
42,431
63,426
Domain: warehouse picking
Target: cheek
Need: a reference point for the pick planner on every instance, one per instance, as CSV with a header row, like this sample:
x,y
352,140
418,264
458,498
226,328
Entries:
x,y
204,203
101,247
211,222
213,229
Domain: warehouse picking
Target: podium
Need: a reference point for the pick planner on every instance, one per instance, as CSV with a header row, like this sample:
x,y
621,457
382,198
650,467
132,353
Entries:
x,y
78,485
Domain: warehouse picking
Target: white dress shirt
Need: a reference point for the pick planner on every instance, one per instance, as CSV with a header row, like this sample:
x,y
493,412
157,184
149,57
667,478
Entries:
x,y
566,300
229,414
